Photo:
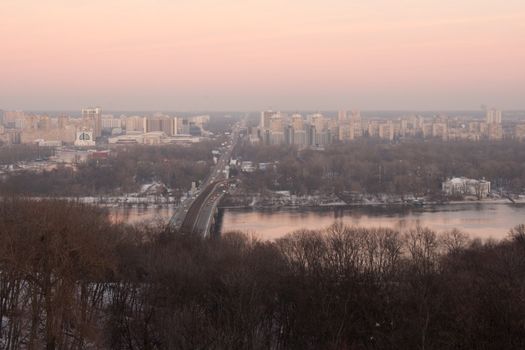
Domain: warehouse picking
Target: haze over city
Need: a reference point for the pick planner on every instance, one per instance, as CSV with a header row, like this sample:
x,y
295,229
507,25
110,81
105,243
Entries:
x,y
251,55
294,174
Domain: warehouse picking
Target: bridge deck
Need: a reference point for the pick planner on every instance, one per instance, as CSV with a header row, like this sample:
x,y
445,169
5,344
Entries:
x,y
188,225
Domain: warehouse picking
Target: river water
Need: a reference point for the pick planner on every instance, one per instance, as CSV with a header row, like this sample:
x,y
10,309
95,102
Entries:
x,y
479,220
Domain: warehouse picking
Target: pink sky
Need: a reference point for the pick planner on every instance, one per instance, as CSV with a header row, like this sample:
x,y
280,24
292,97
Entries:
x,y
247,55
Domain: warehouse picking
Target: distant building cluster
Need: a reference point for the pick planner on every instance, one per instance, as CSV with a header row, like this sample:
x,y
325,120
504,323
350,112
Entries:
x,y
318,130
156,129
18,127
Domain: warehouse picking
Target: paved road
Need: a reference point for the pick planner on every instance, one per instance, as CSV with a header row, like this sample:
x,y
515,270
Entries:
x,y
207,212
195,215
200,214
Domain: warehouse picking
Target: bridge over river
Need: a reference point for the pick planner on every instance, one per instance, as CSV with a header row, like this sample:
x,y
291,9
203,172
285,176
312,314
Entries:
x,y
197,213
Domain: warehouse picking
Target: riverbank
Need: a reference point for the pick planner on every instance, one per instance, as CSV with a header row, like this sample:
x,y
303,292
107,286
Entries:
x,y
124,201
395,204
280,200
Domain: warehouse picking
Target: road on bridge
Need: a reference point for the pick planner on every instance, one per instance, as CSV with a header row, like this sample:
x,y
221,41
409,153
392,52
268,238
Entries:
x,y
196,214
200,213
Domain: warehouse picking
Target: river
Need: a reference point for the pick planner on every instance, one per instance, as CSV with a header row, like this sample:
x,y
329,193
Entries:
x,y
479,220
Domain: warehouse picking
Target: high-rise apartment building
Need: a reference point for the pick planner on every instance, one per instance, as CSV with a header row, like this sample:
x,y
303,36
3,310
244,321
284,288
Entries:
x,y
92,119
161,123
135,124
386,131
265,119
111,123
11,116
357,123
297,122
519,132
346,132
175,126
493,116
318,130
373,129
319,121
440,130
299,138
277,138
310,135
183,126
495,131
276,123
356,116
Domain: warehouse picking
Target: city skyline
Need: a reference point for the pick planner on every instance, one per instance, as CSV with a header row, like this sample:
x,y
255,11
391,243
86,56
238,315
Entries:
x,y
234,55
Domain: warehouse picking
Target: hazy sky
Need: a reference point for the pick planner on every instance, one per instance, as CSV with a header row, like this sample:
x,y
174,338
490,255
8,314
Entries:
x,y
242,54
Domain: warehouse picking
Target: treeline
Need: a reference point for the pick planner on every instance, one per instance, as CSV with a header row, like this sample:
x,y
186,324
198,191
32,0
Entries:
x,y
20,153
125,171
414,167
71,280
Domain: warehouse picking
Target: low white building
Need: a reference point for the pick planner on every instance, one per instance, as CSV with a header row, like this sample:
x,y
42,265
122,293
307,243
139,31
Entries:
x,y
462,186
127,139
154,138
247,166
48,143
109,122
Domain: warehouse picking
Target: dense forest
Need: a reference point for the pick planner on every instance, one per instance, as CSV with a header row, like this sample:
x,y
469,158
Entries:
x,y
125,171
364,166
71,280
372,166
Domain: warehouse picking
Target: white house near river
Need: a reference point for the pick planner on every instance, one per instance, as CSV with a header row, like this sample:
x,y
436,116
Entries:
x,y
466,187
